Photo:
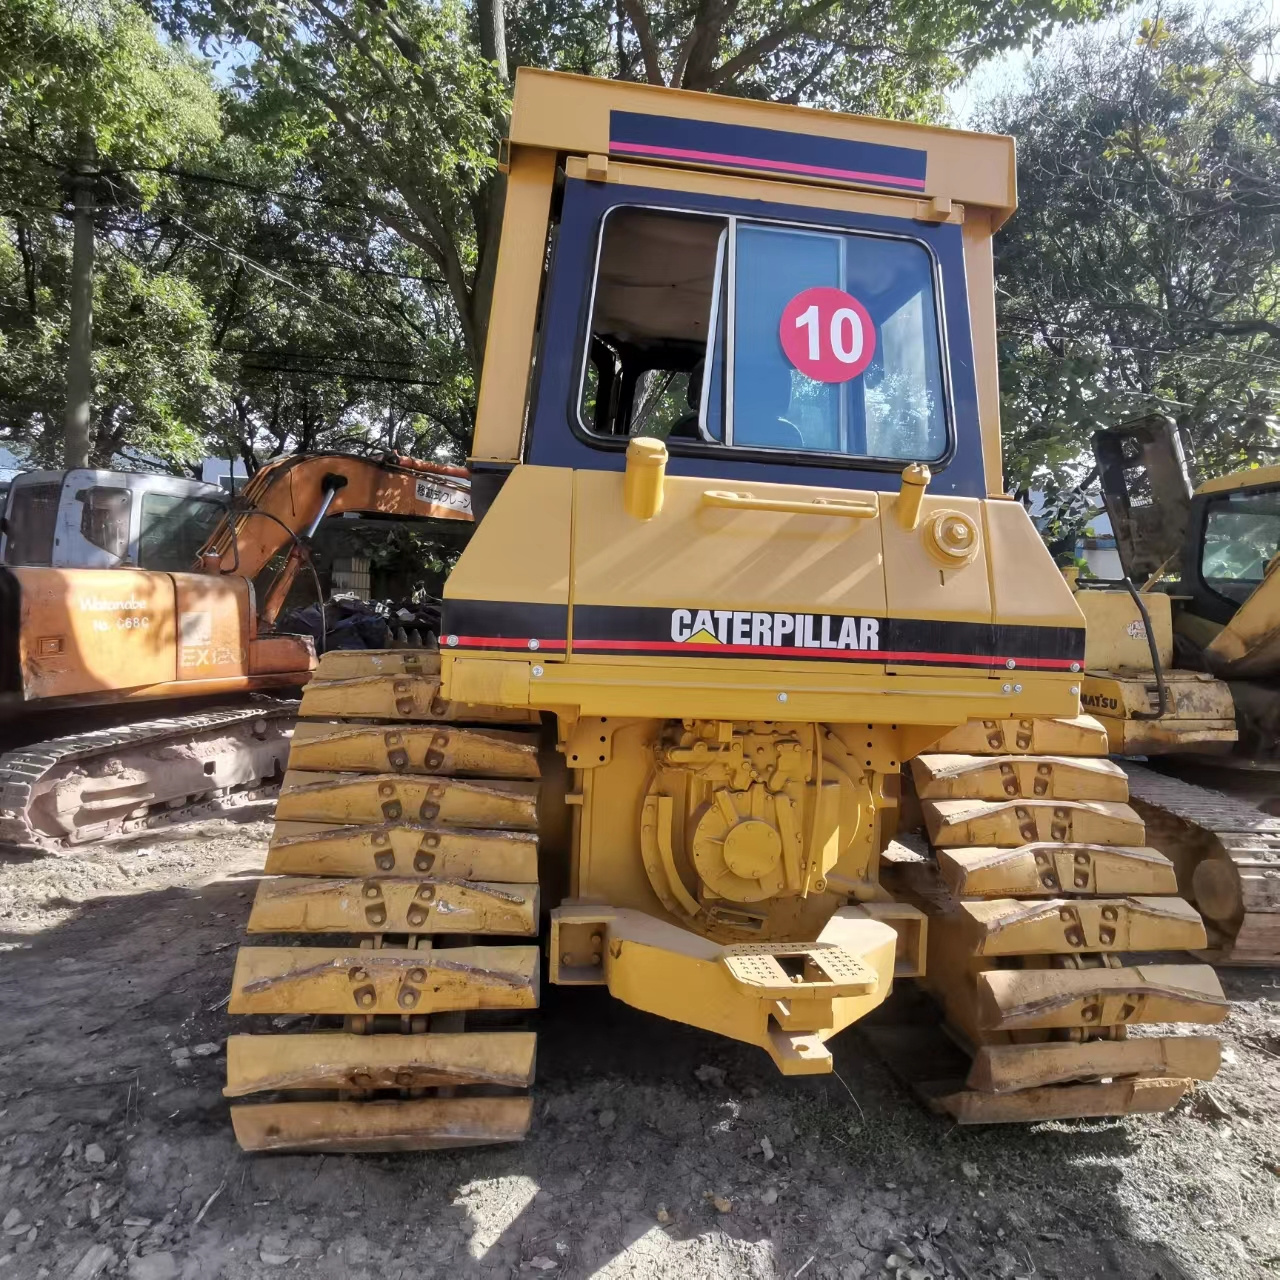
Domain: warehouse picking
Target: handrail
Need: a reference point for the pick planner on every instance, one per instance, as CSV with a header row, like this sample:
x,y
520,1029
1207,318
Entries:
x,y
815,507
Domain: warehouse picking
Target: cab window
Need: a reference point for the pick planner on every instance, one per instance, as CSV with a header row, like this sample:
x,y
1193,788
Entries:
x,y
731,333
104,518
1241,538
173,529
29,526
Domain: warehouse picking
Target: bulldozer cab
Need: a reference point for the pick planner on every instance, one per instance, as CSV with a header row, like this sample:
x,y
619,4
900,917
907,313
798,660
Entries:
x,y
89,519
771,294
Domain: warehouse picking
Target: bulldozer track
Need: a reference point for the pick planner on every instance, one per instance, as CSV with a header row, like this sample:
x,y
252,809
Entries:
x,y
22,772
1038,885
1228,857
404,860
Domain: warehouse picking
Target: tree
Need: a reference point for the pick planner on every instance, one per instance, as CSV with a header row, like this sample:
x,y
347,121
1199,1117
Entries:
x,y
404,104
1142,271
71,76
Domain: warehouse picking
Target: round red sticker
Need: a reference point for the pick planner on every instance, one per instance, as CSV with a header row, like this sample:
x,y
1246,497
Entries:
x,y
827,334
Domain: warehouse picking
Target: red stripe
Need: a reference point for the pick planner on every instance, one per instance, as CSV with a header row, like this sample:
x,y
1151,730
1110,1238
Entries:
x,y
504,642
765,651
757,162
847,655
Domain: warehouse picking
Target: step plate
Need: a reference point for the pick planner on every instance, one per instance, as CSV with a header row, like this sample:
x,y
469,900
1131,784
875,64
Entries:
x,y
393,904
1023,999
346,980
1012,823
362,799
435,749
1035,870
463,853
1056,926
969,777
1003,1068
789,971
339,1060
403,697
424,1124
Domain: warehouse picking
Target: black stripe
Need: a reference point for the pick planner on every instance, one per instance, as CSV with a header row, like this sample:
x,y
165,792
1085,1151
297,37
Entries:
x,y
503,619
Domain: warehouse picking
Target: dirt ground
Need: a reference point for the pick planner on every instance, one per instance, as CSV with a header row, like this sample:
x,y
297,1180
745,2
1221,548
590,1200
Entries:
x,y
647,1157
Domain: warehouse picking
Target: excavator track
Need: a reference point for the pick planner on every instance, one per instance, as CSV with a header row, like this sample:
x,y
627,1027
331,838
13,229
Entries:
x,y
1227,853
405,862
108,783
1038,884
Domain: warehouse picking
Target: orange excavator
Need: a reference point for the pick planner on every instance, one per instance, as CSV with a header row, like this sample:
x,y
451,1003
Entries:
x,y
134,651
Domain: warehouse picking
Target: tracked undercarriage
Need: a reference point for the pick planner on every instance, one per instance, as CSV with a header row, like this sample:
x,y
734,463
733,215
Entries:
x,y
1042,894
107,783
405,858
406,853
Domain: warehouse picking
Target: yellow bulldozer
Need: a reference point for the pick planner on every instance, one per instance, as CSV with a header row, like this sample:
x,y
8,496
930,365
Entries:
x,y
1184,670
754,691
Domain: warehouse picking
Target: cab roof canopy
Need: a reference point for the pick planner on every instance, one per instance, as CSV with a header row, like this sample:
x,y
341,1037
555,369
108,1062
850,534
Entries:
x,y
639,122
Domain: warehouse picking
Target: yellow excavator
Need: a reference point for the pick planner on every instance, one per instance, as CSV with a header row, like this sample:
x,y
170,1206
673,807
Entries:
x,y
1184,671
754,694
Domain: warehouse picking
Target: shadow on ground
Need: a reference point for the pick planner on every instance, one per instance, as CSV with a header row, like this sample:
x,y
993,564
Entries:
x,y
112,1151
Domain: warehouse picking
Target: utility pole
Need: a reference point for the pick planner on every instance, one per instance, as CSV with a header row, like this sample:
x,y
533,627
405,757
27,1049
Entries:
x,y
80,353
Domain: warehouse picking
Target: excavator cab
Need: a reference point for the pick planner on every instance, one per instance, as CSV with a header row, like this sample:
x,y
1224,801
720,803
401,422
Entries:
x,y
746,602
89,519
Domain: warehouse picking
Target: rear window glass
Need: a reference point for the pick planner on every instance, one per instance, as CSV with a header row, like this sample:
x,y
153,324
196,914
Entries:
x,y
734,333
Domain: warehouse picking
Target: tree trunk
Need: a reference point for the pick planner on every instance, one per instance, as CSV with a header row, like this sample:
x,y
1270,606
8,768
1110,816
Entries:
x,y
493,35
80,353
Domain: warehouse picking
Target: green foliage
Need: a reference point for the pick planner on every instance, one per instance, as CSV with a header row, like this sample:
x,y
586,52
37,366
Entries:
x,y
1142,271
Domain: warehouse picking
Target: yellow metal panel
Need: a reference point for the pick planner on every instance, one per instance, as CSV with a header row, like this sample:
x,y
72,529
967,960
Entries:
x,y
1250,478
514,310
1001,1068
562,112
1034,870
663,969
1022,999
519,553
364,799
1116,637
348,980
1026,587
443,749
314,848
392,904
699,556
719,689
340,1060
419,1124
1249,645
979,272
915,585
